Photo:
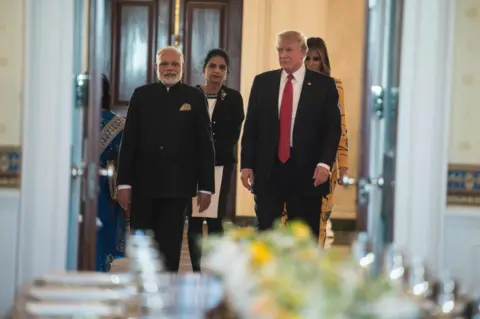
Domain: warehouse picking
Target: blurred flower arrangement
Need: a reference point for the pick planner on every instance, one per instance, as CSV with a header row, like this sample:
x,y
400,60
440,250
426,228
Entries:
x,y
282,274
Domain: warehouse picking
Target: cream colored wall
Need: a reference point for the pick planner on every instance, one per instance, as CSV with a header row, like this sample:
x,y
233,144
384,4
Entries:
x,y
461,223
464,146
341,24
11,80
11,70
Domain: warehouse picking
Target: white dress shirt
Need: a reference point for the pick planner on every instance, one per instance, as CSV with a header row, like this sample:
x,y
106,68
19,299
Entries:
x,y
297,83
211,106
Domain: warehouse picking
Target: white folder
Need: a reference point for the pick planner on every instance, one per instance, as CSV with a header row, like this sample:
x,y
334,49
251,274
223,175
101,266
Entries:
x,y
212,210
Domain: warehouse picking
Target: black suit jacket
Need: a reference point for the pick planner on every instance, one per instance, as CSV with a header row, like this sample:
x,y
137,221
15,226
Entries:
x,y
167,148
316,134
227,119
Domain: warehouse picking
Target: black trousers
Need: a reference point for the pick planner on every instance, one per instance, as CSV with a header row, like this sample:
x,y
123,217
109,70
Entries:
x,y
214,225
281,192
166,218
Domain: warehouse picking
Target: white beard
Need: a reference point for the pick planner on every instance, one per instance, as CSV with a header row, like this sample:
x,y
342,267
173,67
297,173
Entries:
x,y
171,80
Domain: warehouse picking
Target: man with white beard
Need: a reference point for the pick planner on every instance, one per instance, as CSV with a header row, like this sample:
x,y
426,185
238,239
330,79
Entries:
x,y
166,156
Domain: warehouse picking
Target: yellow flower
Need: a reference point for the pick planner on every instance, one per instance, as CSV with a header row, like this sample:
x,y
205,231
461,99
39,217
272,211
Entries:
x,y
300,230
242,232
261,254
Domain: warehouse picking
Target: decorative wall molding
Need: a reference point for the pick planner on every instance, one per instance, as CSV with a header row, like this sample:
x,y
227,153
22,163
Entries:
x,y
10,168
463,185
47,131
423,127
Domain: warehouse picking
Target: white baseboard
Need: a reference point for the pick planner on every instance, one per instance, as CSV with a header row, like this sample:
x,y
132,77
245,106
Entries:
x,y
9,210
461,246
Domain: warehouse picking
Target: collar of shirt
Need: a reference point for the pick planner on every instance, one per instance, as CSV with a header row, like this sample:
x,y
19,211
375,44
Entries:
x,y
298,75
297,82
168,88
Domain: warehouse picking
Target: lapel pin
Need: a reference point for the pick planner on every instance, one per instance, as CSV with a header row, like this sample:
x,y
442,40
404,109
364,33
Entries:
x,y
308,83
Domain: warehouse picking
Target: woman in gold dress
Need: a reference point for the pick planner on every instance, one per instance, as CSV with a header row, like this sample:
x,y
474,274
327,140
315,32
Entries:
x,y
317,60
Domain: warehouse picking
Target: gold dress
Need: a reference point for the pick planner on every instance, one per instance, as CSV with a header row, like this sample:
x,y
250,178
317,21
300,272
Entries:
x,y
341,162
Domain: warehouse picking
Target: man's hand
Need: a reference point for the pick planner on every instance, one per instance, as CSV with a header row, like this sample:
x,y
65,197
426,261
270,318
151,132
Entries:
x,y
247,178
203,201
124,197
341,174
320,175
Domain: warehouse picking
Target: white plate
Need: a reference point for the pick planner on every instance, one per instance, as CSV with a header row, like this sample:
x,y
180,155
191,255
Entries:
x,y
80,294
71,310
86,279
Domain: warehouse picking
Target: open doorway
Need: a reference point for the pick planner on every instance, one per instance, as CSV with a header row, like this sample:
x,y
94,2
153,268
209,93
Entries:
x,y
128,33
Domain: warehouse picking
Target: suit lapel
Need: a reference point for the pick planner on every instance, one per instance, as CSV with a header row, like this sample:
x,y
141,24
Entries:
x,y
306,86
304,96
275,100
276,91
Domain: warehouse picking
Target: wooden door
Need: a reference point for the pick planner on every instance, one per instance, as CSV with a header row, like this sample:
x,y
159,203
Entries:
x,y
376,182
212,24
137,29
209,24
88,97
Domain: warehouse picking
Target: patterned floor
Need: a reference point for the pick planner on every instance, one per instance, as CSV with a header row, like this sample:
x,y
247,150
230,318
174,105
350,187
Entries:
x,y
340,242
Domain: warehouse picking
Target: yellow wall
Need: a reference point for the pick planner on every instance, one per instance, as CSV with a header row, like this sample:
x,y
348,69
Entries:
x,y
11,70
465,110
341,24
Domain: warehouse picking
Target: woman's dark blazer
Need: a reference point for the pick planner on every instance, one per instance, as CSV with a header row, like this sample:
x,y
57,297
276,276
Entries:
x,y
227,119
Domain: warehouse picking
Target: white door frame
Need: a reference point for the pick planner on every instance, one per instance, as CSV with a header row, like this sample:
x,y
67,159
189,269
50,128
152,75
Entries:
x,y
423,129
48,99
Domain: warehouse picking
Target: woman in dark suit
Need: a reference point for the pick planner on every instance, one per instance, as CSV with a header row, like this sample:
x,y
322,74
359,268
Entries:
x,y
225,107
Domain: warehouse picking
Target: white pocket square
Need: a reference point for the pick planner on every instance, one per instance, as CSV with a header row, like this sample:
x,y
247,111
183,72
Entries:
x,y
186,107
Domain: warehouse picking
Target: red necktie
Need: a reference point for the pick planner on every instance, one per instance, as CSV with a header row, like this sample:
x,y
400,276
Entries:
x,y
285,121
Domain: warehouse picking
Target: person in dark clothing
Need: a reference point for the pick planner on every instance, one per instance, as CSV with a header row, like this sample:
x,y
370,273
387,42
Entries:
x,y
167,156
290,138
225,106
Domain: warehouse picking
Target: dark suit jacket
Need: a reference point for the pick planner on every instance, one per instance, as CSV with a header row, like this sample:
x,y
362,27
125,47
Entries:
x,y
167,148
227,119
317,130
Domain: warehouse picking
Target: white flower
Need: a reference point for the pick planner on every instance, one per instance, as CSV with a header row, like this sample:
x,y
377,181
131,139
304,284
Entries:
x,y
223,94
231,262
317,284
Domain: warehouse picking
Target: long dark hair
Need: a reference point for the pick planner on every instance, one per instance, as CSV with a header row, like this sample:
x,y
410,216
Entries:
x,y
320,45
106,97
216,52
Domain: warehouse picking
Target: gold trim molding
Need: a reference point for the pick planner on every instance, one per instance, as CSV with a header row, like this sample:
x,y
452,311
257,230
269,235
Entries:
x,y
10,166
463,185
176,25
